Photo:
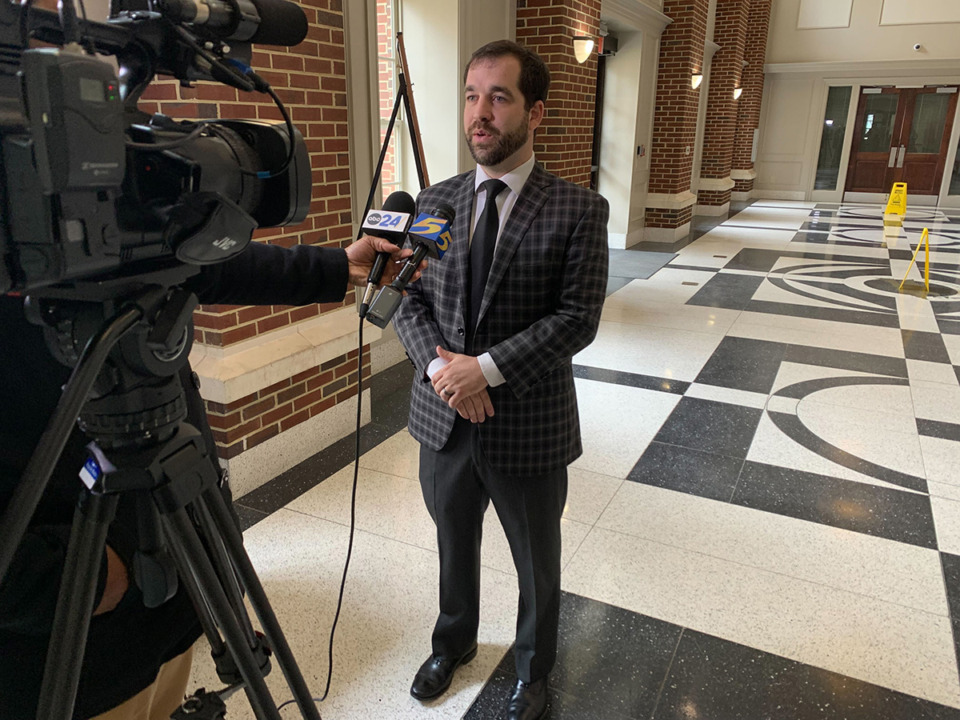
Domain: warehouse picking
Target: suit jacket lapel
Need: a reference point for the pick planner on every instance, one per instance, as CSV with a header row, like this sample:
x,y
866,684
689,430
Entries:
x,y
524,212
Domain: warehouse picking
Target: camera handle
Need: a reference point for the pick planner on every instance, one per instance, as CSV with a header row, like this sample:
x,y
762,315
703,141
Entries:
x,y
182,482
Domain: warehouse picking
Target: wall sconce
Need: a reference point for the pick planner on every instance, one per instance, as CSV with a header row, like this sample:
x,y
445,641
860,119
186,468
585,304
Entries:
x,y
582,47
695,80
737,92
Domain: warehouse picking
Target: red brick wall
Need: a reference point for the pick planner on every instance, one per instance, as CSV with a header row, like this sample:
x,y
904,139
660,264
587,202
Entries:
x,y
675,114
748,114
311,80
726,72
249,421
564,142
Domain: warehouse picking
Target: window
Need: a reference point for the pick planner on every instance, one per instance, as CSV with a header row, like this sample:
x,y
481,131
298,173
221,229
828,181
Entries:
x,y
831,139
388,68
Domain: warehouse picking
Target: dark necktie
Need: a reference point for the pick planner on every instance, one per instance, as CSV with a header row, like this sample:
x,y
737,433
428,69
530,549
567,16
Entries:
x,y
481,248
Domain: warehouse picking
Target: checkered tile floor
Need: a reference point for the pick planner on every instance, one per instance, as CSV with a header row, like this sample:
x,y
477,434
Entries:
x,y
765,522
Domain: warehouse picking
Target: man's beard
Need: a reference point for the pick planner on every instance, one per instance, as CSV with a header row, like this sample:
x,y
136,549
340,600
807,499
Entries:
x,y
503,145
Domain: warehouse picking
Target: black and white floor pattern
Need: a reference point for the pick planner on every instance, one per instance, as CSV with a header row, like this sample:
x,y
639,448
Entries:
x,y
765,522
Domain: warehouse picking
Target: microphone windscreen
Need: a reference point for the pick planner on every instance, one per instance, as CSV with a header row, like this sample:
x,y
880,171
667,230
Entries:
x,y
393,219
445,211
400,201
281,23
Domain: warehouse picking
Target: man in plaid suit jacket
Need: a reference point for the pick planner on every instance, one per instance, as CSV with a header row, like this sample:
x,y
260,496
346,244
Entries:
x,y
493,403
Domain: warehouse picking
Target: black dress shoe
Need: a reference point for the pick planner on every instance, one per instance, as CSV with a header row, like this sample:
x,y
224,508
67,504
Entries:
x,y
528,701
435,675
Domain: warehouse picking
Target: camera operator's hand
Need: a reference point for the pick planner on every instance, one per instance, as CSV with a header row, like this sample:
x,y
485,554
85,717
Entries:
x,y
361,254
117,583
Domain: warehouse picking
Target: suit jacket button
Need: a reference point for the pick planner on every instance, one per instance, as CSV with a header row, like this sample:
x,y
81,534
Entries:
x,y
460,331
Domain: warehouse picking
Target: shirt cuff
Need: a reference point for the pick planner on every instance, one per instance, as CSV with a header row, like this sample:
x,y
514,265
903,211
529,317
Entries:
x,y
490,370
435,364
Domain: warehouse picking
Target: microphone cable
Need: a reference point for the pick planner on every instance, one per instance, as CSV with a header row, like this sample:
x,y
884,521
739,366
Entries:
x,y
353,511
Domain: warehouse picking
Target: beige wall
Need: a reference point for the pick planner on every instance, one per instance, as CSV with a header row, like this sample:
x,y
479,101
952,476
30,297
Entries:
x,y
865,39
436,55
803,64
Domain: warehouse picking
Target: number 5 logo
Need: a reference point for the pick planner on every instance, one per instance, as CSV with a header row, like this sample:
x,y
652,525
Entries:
x,y
443,242
427,225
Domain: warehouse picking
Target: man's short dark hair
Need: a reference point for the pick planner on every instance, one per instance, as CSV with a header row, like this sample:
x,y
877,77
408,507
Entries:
x,y
534,75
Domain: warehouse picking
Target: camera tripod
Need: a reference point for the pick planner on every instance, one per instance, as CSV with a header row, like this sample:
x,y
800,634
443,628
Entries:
x,y
134,354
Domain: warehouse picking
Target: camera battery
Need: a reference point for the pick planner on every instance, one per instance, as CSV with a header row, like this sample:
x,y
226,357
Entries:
x,y
76,119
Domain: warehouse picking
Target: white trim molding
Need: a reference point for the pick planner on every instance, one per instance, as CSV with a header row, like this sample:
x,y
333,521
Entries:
x,y
636,14
229,374
866,68
750,174
716,184
662,201
262,463
666,235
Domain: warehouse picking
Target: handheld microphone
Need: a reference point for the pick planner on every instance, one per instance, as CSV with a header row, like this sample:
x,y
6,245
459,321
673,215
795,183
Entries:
x,y
390,223
431,233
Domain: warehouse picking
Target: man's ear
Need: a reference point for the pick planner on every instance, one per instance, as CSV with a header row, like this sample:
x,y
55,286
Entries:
x,y
537,111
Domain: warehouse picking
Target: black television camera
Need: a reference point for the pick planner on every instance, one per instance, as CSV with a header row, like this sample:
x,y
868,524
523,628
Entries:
x,y
105,212
91,186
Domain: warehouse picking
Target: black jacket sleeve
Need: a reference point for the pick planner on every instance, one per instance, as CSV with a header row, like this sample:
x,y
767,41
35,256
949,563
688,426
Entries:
x,y
274,275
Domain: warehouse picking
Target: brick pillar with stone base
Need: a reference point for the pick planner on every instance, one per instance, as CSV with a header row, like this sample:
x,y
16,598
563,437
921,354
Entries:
x,y
669,201
748,115
730,33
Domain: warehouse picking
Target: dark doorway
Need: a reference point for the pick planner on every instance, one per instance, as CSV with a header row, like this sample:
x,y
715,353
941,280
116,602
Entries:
x,y
901,135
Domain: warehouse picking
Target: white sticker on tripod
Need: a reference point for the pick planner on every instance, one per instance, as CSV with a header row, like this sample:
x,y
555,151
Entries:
x,y
90,473
95,466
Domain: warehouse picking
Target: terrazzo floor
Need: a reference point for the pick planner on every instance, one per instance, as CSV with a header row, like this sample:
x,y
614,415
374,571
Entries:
x,y
765,522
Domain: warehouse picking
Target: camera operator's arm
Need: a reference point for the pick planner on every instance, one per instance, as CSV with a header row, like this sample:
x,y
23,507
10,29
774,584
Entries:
x,y
304,274
116,583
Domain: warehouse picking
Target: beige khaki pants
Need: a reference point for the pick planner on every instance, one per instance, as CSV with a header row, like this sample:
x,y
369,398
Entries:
x,y
162,697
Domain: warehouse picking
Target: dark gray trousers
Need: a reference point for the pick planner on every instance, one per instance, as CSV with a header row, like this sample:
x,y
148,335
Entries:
x,y
458,483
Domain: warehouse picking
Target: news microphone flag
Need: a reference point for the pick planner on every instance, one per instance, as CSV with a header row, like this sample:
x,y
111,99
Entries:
x,y
383,223
434,228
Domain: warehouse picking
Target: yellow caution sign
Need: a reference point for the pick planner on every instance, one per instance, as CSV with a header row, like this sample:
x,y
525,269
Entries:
x,y
897,204
924,242
896,208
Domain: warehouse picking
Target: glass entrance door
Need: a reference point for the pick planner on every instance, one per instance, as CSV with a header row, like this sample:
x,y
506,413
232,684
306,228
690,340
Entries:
x,y
901,135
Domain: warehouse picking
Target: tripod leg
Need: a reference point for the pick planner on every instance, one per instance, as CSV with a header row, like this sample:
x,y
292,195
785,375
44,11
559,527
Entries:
x,y
71,623
227,668
225,570
233,541
209,625
181,532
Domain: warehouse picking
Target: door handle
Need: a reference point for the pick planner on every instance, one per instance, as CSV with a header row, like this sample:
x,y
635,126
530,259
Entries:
x,y
903,153
893,157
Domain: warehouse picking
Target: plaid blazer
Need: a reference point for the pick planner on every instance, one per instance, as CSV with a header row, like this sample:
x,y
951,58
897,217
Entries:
x,y
541,306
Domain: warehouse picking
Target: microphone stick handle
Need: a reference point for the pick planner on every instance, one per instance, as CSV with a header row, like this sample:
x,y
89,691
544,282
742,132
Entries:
x,y
410,267
376,270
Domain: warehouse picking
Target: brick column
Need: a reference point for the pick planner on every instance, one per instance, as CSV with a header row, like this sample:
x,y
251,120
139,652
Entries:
x,y
248,409
730,34
670,202
748,115
564,143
